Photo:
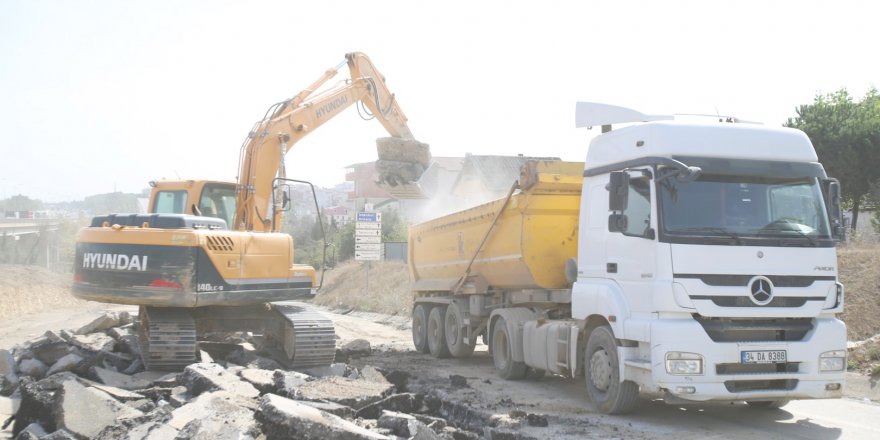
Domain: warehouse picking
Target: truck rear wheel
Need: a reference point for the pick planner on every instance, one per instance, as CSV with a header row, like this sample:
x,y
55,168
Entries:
x,y
436,334
502,353
455,332
602,370
420,328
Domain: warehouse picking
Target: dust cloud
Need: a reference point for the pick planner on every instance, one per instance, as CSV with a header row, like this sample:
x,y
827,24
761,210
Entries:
x,y
420,211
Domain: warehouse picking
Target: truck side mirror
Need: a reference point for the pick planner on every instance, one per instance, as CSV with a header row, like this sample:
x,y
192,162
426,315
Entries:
x,y
618,191
831,190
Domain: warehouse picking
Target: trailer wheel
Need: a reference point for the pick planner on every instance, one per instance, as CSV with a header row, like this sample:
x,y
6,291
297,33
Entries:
x,y
502,353
436,335
772,404
602,371
455,331
420,328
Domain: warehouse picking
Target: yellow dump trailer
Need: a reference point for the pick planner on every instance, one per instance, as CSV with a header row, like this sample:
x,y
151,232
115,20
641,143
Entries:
x,y
518,242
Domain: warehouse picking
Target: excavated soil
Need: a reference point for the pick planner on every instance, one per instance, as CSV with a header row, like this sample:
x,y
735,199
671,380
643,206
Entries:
x,y
27,289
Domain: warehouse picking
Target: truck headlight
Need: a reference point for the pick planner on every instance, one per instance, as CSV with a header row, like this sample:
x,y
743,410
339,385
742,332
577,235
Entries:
x,y
832,360
683,363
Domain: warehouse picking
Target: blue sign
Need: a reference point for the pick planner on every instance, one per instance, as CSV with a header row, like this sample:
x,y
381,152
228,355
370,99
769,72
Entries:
x,y
369,217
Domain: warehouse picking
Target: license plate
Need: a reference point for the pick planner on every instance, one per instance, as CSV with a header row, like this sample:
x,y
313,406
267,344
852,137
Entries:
x,y
763,357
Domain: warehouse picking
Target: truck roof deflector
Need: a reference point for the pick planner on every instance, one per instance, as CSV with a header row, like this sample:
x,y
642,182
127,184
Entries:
x,y
592,114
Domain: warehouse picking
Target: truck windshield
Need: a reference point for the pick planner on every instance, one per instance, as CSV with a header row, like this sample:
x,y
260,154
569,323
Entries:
x,y
744,208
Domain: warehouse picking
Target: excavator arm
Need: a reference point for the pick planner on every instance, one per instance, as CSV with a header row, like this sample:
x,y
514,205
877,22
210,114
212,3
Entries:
x,y
289,121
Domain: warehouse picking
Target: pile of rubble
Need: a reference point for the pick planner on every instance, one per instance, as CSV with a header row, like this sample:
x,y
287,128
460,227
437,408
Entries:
x,y
864,356
91,383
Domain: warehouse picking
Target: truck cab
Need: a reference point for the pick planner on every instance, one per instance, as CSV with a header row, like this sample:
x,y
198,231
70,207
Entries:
x,y
709,251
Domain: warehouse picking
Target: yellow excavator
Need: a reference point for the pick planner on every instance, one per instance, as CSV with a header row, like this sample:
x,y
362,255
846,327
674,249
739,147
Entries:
x,y
208,257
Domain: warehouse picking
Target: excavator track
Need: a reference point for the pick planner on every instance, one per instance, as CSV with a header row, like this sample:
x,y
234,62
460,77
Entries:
x,y
306,338
167,338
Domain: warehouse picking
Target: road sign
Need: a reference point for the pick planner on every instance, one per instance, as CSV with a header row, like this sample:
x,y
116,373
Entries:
x,y
369,216
368,247
368,232
360,239
368,237
367,256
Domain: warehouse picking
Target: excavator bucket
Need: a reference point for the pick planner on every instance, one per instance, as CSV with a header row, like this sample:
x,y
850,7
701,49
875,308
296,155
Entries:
x,y
400,166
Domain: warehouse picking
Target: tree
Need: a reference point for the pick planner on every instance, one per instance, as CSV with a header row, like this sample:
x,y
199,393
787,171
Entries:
x,y
393,226
846,135
115,202
344,242
20,203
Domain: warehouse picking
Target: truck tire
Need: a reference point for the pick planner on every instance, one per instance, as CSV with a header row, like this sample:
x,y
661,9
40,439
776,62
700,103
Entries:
x,y
420,328
453,328
436,334
601,368
772,404
502,353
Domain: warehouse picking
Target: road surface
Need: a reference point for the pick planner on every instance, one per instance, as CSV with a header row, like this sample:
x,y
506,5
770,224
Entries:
x,y
563,401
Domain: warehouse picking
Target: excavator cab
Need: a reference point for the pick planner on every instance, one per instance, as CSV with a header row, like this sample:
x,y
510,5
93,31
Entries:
x,y
194,197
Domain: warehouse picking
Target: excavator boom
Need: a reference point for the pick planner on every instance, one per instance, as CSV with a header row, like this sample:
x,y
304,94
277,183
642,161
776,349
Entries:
x,y
291,120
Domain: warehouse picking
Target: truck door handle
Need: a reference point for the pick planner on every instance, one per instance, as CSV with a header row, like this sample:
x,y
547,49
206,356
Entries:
x,y
611,267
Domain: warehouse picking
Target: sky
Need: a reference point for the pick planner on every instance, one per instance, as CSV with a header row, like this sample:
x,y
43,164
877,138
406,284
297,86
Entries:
x,y
105,96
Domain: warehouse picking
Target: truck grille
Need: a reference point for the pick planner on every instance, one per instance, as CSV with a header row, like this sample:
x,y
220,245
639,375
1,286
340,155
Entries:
x,y
745,301
736,386
730,369
743,280
755,330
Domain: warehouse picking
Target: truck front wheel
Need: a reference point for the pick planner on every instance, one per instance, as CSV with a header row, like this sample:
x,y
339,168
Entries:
x,y
602,370
502,353
420,328
436,334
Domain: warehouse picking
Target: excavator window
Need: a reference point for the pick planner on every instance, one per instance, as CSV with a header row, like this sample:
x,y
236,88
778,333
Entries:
x,y
218,201
170,202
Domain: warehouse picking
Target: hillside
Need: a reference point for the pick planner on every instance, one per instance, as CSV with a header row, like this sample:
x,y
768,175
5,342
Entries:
x,y
860,273
345,287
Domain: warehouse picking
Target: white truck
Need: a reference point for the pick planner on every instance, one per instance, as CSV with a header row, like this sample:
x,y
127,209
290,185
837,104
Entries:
x,y
689,261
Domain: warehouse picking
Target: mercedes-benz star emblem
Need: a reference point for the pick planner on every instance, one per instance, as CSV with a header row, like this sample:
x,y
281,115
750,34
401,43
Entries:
x,y
762,290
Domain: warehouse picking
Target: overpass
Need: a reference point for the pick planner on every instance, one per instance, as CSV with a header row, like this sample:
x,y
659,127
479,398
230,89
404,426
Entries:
x,y
29,241
16,227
